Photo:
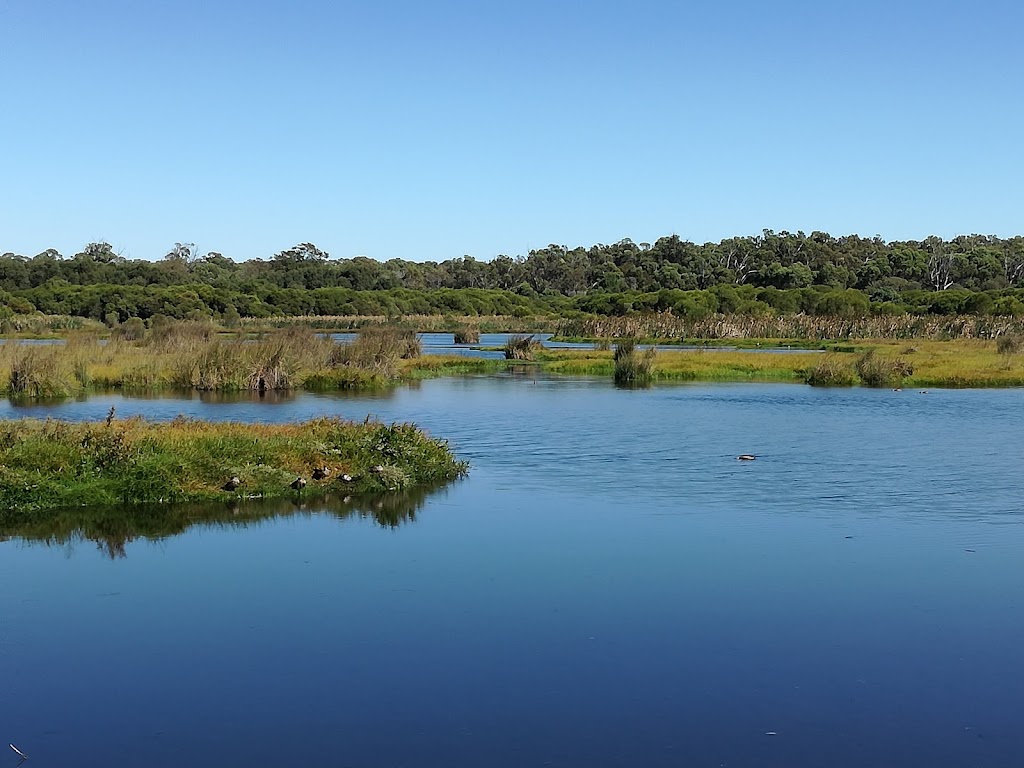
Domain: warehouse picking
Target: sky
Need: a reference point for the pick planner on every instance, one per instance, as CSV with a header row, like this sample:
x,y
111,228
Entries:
x,y
433,130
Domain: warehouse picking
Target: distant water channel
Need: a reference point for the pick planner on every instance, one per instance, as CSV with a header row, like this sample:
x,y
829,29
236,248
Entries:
x,y
608,587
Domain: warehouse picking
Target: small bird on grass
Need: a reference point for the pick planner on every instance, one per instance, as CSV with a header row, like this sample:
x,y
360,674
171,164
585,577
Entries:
x,y
321,473
298,483
232,484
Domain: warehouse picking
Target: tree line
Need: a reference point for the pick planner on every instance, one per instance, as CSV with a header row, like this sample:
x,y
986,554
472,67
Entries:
x,y
782,272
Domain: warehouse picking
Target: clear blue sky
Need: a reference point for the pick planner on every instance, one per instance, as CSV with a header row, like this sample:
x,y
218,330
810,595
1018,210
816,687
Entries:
x,y
429,130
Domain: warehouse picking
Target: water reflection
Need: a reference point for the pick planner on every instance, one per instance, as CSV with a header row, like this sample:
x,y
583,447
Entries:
x,y
112,529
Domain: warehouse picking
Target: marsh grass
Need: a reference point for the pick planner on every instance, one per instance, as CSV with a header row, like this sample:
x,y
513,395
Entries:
x,y
467,335
433,366
47,465
874,370
42,326
195,356
39,372
667,326
522,348
831,371
377,350
1010,344
631,366
689,365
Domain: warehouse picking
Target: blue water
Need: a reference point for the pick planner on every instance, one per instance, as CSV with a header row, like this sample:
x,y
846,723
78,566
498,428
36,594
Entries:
x,y
609,587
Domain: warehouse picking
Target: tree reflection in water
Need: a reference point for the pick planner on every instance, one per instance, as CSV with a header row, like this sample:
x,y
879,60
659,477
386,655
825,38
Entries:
x,y
113,528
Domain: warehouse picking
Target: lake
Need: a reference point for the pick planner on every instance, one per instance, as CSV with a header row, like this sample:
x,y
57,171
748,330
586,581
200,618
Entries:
x,y
608,587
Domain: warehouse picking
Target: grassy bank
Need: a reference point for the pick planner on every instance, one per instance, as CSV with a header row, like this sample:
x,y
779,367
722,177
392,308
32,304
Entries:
x,y
195,356
48,465
962,363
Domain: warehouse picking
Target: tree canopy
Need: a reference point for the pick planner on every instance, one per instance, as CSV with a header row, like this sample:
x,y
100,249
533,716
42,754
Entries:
x,y
784,271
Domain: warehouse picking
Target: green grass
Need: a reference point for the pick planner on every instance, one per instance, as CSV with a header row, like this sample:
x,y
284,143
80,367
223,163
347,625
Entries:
x,y
195,356
48,465
868,362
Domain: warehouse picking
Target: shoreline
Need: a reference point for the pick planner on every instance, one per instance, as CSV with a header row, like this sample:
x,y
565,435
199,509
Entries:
x,y
49,466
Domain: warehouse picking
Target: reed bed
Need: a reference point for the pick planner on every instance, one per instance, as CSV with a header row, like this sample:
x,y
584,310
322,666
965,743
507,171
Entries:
x,y
422,323
47,465
831,371
668,326
467,335
38,325
195,356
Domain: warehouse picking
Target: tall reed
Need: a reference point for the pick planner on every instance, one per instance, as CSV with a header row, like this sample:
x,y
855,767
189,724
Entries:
x,y
467,335
521,348
633,367
666,325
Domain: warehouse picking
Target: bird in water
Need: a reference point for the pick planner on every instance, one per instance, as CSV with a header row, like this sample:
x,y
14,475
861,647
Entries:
x,y
232,484
321,473
746,457
298,483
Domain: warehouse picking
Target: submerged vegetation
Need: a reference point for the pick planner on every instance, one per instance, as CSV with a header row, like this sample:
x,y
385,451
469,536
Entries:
x,y
47,465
